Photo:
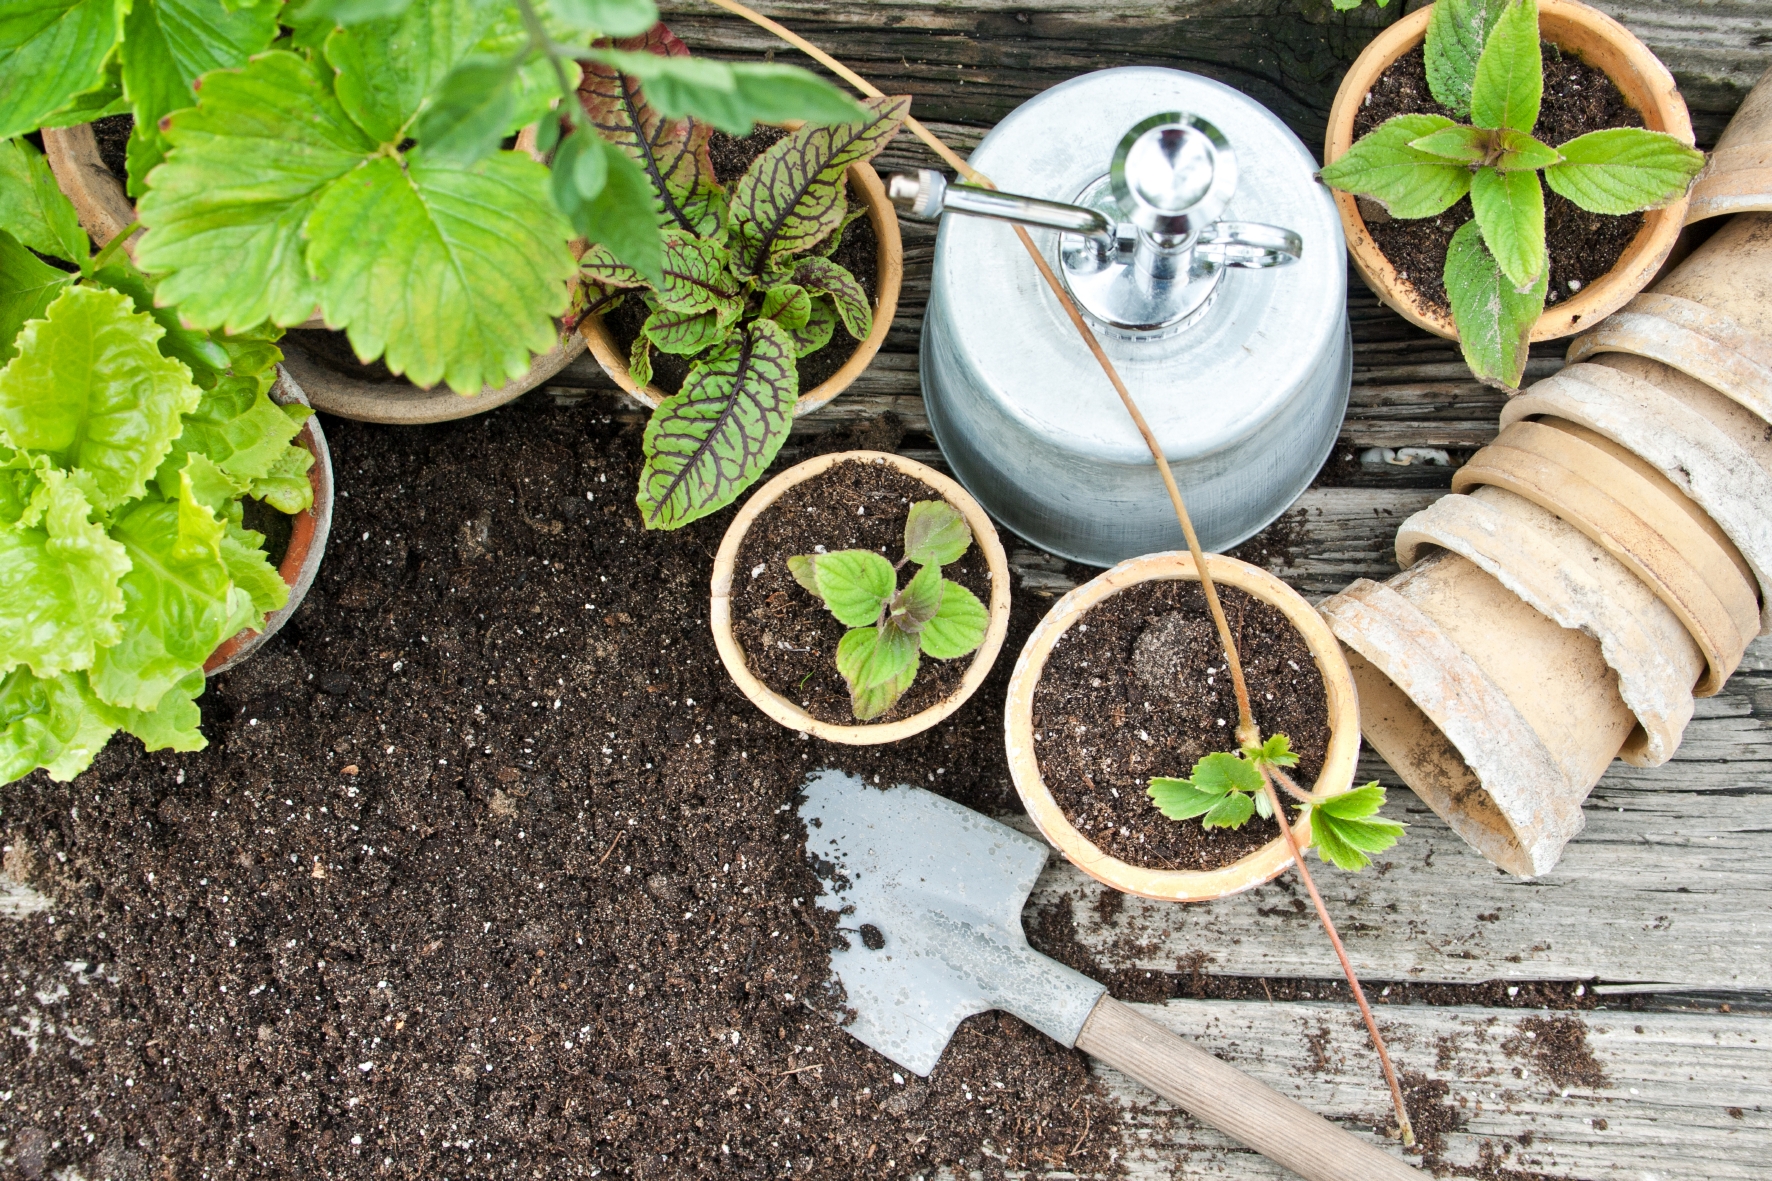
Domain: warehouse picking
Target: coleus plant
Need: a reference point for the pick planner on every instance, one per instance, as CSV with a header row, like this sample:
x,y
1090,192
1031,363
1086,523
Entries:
x,y
893,627
128,445
747,287
1484,63
348,156
1226,790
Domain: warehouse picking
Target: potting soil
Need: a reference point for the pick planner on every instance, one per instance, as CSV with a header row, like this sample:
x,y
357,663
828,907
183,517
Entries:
x,y
489,870
1581,246
1139,688
789,636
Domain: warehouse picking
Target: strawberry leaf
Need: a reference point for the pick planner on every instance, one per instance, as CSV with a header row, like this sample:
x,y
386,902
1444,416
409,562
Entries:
x,y
1277,750
1494,320
1623,170
608,199
855,584
1180,799
1345,828
732,98
1456,31
1510,213
959,626
617,18
1408,182
935,534
1231,811
1221,772
1509,82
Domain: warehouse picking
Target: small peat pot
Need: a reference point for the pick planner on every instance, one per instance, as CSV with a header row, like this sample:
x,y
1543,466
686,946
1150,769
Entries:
x,y
307,532
779,641
1387,79
1124,680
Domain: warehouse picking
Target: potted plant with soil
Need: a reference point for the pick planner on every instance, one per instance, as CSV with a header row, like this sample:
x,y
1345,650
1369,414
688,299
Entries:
x,y
142,466
1498,195
815,624
781,271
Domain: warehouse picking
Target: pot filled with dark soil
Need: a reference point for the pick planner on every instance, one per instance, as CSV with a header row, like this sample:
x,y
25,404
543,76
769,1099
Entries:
x,y
779,641
1125,681
1597,76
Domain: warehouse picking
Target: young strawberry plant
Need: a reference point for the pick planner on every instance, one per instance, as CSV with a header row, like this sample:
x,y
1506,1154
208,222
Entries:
x,y
893,627
128,445
747,284
1484,63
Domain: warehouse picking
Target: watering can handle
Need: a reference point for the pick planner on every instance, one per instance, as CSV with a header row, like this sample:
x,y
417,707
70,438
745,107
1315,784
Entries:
x,y
1231,1101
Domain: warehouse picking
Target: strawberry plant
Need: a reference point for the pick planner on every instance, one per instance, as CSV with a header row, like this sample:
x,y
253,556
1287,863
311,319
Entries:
x,y
128,445
1226,789
893,627
1484,63
747,284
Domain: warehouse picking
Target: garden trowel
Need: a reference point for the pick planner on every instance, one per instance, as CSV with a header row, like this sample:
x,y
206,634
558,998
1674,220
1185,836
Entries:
x,y
930,896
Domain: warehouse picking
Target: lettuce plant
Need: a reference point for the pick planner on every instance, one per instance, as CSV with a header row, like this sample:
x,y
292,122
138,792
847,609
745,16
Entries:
x,y
128,443
893,627
1484,64
348,156
1225,790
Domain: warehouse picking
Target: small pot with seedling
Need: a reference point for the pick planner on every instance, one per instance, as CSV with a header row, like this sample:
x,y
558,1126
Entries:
x,y
860,597
1499,195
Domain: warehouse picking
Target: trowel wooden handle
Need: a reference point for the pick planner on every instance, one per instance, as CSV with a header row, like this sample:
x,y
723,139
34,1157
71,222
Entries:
x,y
1231,1101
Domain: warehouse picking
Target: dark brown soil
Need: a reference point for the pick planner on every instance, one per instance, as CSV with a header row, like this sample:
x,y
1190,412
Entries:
x,y
788,635
1558,1051
859,252
112,133
538,928
1582,246
1138,689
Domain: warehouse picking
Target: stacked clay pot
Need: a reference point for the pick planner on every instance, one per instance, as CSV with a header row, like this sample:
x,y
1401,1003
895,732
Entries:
x,y
1604,561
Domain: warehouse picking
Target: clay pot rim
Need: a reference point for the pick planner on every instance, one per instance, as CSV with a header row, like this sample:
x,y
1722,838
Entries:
x,y
1651,90
984,532
307,541
1267,862
890,278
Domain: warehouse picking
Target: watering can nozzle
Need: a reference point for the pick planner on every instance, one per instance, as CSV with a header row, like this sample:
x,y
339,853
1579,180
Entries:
x,y
928,194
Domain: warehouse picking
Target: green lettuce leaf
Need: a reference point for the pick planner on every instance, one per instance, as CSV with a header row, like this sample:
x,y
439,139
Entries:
x,y
1494,320
27,287
171,724
286,487
243,553
1509,82
51,51
958,627
90,389
60,585
56,724
1407,181
1623,170
236,426
33,209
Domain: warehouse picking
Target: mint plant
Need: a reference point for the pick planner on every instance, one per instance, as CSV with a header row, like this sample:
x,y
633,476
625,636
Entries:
x,y
747,285
1484,63
893,627
1226,789
128,445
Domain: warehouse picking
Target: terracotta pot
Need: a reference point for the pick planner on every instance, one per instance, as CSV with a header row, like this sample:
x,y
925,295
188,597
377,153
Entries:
x,y
1599,41
1563,574
1498,717
789,714
864,183
1639,518
104,209
307,540
1738,177
1266,862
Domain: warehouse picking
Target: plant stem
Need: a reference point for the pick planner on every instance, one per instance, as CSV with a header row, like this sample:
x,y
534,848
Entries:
x,y
1292,788
1384,1059
539,39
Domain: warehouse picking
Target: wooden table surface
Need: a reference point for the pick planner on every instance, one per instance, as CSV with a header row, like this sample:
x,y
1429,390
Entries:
x,y
1662,908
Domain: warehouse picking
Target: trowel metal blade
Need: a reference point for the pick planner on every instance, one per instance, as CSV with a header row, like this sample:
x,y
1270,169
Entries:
x,y
942,888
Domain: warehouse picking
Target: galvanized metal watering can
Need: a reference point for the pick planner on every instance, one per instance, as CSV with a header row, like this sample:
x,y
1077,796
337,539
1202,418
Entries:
x,y
1210,263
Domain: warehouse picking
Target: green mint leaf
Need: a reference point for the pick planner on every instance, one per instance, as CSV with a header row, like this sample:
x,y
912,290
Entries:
x,y
487,238
1494,320
50,52
793,194
1456,31
685,333
28,286
1510,212
1521,153
732,98
1276,750
33,210
1408,182
788,305
821,276
855,584
1179,799
697,278
935,534
227,212
467,115
959,624
619,212
709,442
90,390
613,18
804,568
1221,772
167,44
1231,811
1623,170
1509,81
672,154
917,603
820,326
879,664
1457,142
60,585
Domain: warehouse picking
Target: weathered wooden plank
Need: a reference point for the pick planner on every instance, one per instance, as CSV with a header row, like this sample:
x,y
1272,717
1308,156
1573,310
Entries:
x,y
1668,1096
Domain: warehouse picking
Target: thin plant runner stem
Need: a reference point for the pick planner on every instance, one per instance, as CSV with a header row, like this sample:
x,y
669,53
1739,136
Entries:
x,y
1248,733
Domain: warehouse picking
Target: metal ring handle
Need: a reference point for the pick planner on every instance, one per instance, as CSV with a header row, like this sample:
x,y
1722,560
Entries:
x,y
1249,244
